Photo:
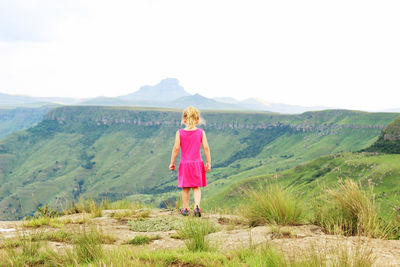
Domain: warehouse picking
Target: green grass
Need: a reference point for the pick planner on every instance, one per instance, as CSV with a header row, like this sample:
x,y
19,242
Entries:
x,y
43,221
194,231
88,245
272,204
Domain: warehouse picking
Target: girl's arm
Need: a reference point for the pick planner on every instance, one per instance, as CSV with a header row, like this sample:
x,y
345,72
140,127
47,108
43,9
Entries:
x,y
207,153
175,151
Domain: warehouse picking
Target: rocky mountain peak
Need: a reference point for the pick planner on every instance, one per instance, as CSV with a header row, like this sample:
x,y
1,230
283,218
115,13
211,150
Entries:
x,y
167,89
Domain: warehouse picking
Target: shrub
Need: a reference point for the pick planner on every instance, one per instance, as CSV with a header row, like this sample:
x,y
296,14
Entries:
x,y
272,204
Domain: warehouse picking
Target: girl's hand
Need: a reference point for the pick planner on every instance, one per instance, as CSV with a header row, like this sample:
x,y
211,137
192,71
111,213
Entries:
x,y
208,167
172,166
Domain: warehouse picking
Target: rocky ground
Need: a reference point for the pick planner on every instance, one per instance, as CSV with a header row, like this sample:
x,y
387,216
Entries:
x,y
233,233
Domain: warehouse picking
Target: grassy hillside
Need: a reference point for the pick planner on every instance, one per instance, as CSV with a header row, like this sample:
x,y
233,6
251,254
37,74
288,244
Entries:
x,y
309,180
15,119
116,152
389,140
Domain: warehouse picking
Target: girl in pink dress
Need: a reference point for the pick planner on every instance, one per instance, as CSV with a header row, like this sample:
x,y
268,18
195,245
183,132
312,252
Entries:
x,y
192,172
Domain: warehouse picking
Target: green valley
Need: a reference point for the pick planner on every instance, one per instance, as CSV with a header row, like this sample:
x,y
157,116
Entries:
x,y
377,166
15,119
118,152
309,180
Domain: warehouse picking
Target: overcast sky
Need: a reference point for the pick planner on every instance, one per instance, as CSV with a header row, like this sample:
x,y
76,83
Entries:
x,y
333,53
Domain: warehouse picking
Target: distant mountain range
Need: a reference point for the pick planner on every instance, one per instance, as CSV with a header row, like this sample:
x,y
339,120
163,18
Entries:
x,y
168,93
167,90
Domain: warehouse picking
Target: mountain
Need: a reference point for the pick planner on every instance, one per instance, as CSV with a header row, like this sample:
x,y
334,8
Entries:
x,y
12,120
117,152
259,104
106,101
392,110
229,100
165,91
11,100
201,102
59,100
8,100
197,100
389,140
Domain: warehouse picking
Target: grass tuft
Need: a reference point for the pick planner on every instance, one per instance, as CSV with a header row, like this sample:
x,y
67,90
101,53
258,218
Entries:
x,y
86,205
350,210
272,204
87,246
194,231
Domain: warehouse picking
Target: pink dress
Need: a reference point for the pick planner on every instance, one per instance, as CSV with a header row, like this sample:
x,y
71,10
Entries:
x,y
192,172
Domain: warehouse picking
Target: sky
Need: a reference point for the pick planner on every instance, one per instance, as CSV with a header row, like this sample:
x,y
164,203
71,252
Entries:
x,y
338,53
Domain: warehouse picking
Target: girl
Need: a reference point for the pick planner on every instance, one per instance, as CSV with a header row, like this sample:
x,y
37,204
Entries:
x,y
192,173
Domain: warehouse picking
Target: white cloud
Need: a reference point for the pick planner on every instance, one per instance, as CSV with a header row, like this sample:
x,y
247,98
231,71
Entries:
x,y
341,53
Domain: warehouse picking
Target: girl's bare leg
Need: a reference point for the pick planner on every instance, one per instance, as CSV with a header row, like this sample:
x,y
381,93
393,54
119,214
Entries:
x,y
197,196
185,197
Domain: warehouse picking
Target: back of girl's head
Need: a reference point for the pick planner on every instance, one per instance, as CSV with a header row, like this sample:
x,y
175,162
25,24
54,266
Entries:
x,y
191,117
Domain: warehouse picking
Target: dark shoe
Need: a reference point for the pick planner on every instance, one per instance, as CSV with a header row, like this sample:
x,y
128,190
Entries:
x,y
185,212
197,212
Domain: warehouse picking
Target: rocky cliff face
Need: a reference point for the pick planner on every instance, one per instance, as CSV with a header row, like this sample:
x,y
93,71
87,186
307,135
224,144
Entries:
x,y
392,131
306,122
389,140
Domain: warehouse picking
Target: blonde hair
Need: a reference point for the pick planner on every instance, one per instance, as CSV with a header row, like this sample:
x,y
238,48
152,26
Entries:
x,y
191,117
